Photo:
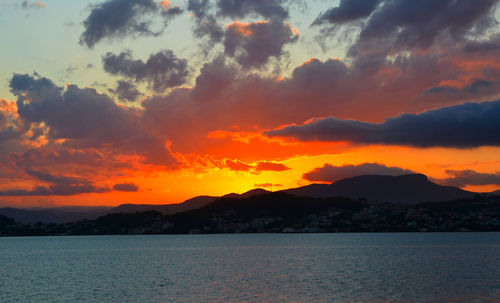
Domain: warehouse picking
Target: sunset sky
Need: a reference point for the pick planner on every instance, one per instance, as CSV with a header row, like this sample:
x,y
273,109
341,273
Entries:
x,y
146,101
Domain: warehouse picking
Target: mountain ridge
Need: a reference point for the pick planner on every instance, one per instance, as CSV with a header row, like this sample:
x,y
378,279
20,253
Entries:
x,y
410,188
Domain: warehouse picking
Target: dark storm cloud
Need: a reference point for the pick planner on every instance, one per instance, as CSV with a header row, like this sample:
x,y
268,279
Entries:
x,y
461,178
462,126
126,91
347,11
253,44
331,173
119,18
128,187
268,9
61,186
162,70
85,118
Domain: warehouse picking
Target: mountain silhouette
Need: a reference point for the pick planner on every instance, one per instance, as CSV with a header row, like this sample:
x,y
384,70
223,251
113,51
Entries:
x,y
190,204
410,188
54,214
495,193
72,214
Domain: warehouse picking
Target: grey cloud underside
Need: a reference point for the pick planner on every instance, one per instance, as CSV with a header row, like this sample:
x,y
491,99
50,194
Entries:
x,y
477,89
65,186
85,118
420,23
347,11
120,18
127,187
267,40
162,70
206,24
269,9
61,186
461,126
462,178
126,91
331,173
389,27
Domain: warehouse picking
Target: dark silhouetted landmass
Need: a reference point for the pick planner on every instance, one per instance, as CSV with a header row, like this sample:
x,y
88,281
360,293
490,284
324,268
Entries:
x,y
71,214
5,222
281,212
410,188
495,193
171,209
53,215
259,203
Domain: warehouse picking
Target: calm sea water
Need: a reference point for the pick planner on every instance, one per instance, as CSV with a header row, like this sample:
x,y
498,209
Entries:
x,y
420,267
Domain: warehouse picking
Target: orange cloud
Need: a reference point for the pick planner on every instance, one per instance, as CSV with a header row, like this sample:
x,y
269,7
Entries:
x,y
237,165
271,166
165,4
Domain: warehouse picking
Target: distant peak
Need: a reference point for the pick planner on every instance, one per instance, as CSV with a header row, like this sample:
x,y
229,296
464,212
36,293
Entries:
x,y
416,177
408,177
254,192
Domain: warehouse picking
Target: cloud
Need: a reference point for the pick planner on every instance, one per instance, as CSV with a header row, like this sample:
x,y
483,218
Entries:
x,y
206,24
11,127
126,91
237,165
389,29
411,24
61,186
347,11
252,44
331,173
461,126
477,89
162,69
271,166
36,4
120,18
490,46
237,9
461,178
83,118
127,187
53,157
